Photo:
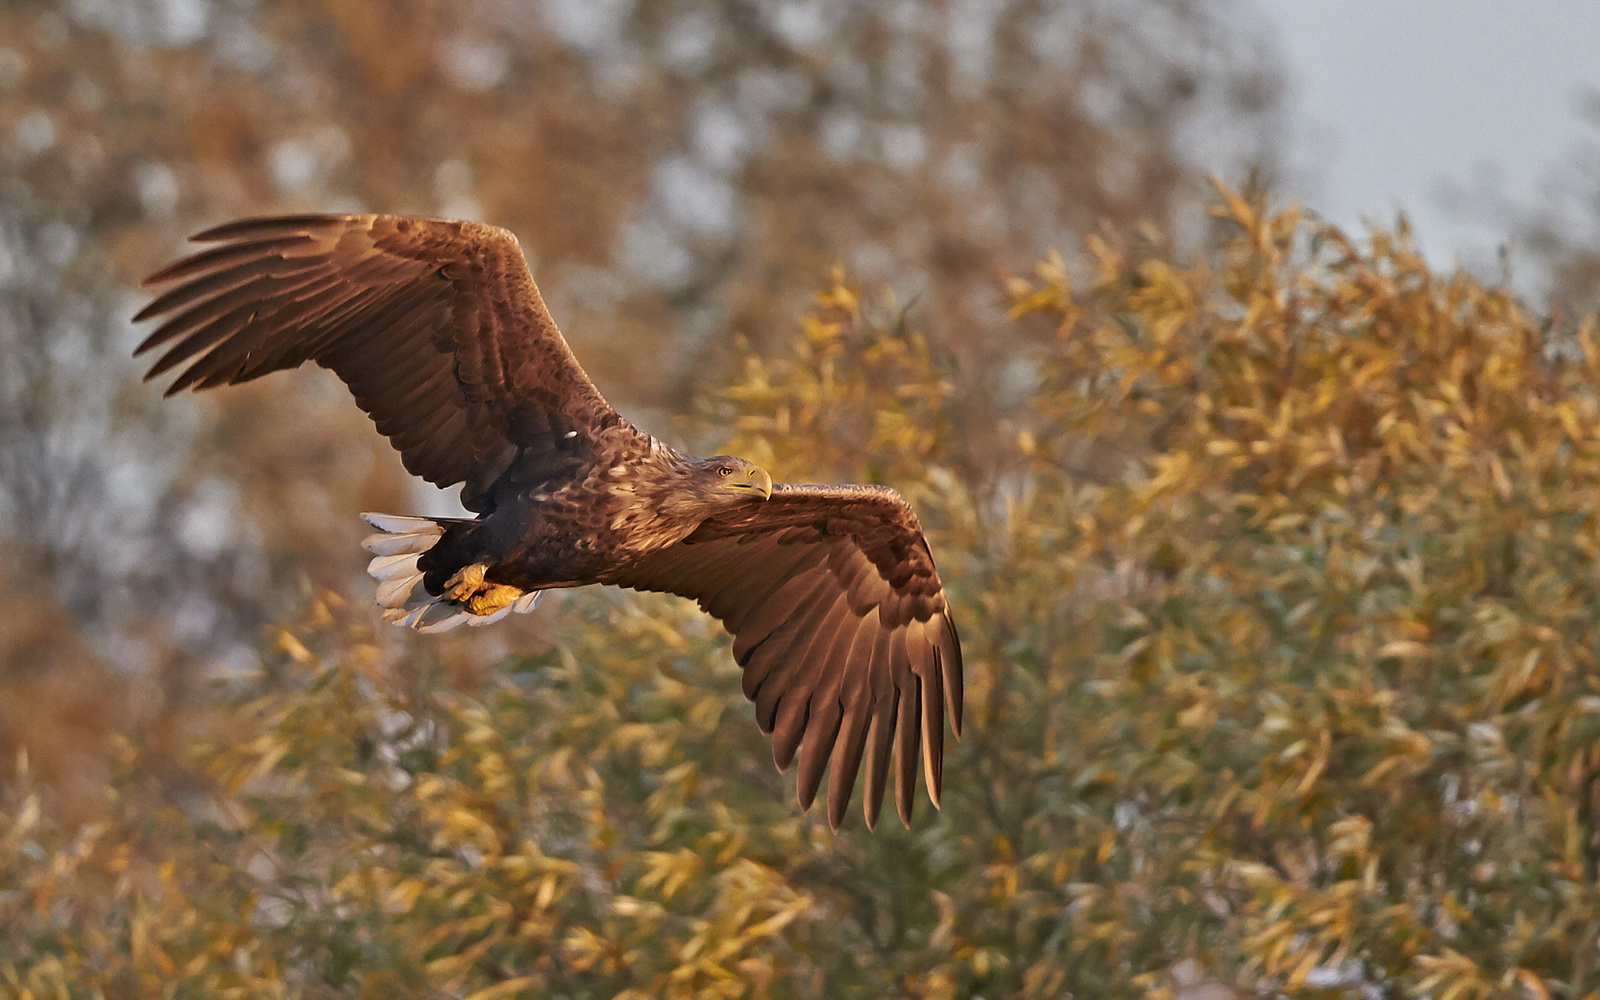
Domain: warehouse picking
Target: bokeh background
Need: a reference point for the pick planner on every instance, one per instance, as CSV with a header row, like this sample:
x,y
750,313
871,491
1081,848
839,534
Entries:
x,y
683,178
186,652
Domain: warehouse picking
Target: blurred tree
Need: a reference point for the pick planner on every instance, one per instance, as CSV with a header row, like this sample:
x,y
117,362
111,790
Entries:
x,y
1281,633
680,173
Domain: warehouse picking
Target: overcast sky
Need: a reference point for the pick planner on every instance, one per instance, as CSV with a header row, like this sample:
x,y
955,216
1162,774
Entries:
x,y
1395,99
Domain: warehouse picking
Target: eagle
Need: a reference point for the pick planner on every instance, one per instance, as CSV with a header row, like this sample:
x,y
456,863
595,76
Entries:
x,y
838,617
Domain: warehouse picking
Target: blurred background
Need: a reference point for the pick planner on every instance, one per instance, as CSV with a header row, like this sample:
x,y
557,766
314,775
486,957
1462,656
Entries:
x,y
684,175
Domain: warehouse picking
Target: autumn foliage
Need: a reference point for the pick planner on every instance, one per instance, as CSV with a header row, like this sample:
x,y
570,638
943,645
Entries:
x,y
1276,581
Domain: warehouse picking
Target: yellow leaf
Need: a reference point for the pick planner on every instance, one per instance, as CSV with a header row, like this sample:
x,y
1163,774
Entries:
x,y
506,988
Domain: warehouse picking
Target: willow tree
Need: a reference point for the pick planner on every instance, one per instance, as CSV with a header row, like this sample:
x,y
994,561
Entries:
x,y
1279,615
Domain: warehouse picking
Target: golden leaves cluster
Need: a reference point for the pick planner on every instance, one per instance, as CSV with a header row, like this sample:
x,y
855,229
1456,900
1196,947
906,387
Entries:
x,y
1275,575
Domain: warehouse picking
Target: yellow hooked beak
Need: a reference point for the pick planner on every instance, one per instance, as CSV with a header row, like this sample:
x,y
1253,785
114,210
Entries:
x,y
755,479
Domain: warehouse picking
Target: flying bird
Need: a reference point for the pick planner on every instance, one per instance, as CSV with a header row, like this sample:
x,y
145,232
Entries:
x,y
838,617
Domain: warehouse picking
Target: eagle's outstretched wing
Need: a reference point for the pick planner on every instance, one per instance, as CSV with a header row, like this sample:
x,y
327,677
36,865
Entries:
x,y
436,326
842,628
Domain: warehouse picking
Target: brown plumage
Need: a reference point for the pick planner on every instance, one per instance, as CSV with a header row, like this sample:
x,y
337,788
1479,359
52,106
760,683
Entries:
x,y
838,616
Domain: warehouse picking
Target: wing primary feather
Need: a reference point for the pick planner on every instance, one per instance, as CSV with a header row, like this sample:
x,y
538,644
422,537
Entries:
x,y
231,359
951,670
846,761
770,664
790,726
767,711
195,343
318,285
855,701
236,351
217,283
907,732
777,666
215,323
781,662
821,732
931,690
285,336
828,660
880,738
199,317
334,316
215,258
807,668
262,226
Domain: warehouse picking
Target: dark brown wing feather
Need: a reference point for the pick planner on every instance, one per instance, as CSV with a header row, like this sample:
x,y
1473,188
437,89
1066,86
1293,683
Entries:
x,y
842,628
436,326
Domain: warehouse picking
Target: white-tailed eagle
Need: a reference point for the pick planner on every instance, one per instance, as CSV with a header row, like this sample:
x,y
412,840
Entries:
x,y
838,616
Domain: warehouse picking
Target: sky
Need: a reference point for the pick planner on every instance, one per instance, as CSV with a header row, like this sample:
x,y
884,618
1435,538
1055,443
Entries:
x,y
1393,101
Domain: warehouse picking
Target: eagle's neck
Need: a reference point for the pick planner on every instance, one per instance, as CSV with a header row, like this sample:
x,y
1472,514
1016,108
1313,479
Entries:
x,y
652,504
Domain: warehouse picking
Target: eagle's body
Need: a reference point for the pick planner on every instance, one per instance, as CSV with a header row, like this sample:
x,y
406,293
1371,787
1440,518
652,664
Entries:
x,y
568,529
838,615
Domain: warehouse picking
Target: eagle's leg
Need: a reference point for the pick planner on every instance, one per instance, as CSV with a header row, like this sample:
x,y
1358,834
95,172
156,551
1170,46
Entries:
x,y
469,588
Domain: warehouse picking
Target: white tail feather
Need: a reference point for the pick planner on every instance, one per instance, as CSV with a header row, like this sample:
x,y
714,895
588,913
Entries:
x,y
397,547
400,545
402,523
380,566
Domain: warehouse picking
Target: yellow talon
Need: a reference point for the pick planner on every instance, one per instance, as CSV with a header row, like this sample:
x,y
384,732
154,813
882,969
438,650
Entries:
x,y
467,582
492,598
469,589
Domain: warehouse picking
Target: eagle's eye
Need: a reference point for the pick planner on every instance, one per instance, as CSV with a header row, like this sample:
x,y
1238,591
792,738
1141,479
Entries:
x,y
724,471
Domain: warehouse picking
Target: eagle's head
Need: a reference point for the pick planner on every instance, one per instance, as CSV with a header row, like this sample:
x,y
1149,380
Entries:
x,y
663,503
723,478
